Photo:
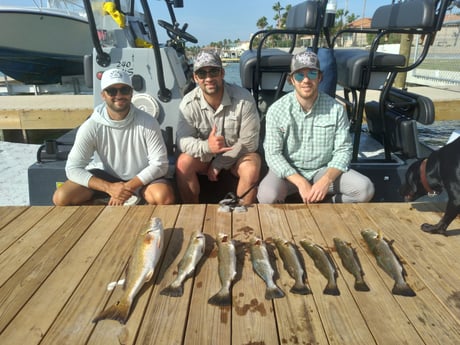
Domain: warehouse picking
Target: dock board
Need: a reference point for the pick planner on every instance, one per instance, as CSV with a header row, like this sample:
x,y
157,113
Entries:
x,y
55,264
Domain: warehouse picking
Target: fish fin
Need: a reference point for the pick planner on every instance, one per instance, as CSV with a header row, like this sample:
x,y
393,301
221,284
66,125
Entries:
x,y
118,311
300,289
274,292
360,285
403,289
173,291
149,275
222,298
331,289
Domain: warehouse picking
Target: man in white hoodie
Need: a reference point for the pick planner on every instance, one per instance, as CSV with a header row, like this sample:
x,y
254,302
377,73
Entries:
x,y
119,152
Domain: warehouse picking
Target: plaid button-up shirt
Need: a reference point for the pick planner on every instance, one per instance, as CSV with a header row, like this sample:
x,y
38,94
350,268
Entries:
x,y
299,142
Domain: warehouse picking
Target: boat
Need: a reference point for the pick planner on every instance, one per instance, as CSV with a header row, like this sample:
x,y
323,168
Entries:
x,y
41,44
162,75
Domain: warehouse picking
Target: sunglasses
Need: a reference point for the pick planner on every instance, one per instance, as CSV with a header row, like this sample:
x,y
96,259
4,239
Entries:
x,y
212,73
311,74
112,91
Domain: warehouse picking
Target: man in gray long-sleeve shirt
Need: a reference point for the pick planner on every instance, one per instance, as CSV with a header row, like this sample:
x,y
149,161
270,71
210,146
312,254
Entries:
x,y
218,129
130,158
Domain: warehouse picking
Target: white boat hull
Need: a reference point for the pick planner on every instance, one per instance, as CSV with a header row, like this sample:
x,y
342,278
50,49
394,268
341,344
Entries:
x,y
39,47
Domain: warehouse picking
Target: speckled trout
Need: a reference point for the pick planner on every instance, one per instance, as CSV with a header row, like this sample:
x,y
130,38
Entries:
x,y
289,255
187,264
388,261
261,265
351,263
325,265
146,254
227,270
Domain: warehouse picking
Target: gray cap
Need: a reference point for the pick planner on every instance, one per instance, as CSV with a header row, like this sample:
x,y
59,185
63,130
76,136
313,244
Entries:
x,y
207,59
304,60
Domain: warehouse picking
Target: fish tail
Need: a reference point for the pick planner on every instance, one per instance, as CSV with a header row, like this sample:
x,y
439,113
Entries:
x,y
173,291
403,289
360,285
118,311
222,298
300,289
273,292
331,289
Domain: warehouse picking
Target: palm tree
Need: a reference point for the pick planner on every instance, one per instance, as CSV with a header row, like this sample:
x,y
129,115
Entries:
x,y
262,23
278,8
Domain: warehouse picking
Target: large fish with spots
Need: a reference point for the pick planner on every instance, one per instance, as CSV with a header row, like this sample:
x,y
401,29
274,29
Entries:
x,y
146,254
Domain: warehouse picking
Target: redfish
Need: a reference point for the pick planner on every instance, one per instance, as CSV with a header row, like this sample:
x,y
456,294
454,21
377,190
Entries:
x,y
141,267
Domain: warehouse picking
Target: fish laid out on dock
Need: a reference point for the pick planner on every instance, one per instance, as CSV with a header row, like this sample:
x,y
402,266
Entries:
x,y
351,263
141,267
226,255
324,264
187,264
388,261
262,266
292,264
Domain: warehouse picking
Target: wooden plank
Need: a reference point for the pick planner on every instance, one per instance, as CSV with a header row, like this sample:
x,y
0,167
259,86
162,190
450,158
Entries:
x,y
53,118
253,320
434,312
17,291
8,213
24,247
44,306
165,318
297,316
209,324
20,225
10,119
380,313
109,266
340,316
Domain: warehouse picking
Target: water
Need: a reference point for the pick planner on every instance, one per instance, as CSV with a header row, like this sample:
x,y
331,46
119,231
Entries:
x,y
434,135
232,73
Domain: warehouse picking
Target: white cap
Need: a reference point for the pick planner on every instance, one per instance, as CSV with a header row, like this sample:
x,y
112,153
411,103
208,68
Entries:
x,y
115,76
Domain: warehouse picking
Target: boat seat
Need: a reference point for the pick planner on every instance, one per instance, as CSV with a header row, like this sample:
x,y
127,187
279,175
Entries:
x,y
265,69
361,69
403,111
352,64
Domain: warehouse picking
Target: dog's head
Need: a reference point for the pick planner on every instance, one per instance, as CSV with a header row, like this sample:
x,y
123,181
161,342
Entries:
x,y
413,188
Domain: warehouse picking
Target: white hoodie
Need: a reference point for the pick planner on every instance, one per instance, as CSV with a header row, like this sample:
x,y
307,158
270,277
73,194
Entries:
x,y
125,149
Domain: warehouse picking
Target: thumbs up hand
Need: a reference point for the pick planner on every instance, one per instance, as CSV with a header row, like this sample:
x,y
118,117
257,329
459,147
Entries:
x,y
217,142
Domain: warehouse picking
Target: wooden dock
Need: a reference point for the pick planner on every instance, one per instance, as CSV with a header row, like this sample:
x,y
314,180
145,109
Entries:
x,y
55,264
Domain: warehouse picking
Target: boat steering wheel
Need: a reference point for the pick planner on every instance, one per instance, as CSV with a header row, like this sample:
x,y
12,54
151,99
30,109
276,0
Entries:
x,y
174,31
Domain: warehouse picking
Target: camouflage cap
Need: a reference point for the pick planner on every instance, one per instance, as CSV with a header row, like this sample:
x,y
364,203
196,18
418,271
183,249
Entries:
x,y
207,59
304,60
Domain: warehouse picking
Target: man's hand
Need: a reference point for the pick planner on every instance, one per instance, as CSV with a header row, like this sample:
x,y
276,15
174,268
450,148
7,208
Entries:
x,y
119,192
319,190
217,142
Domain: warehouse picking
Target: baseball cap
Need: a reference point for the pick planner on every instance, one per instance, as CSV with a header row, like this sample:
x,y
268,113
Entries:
x,y
304,60
115,76
207,59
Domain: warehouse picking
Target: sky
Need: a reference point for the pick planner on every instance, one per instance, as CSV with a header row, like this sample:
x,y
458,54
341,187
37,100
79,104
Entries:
x,y
216,20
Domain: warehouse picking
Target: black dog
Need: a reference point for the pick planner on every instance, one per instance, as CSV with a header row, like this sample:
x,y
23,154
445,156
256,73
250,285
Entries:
x,y
440,171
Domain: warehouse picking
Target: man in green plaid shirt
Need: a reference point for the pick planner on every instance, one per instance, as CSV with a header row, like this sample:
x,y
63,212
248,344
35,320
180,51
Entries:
x,y
307,144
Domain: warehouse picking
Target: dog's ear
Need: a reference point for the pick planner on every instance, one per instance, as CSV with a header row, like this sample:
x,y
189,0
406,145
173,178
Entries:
x,y
411,186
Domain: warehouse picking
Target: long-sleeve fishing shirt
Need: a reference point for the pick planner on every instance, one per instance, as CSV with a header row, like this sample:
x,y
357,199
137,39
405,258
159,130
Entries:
x,y
131,147
236,119
300,142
